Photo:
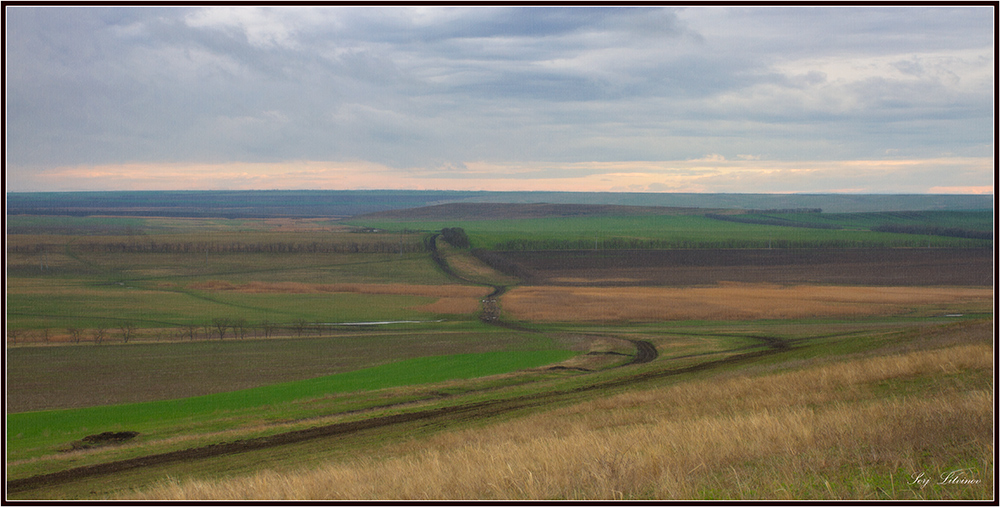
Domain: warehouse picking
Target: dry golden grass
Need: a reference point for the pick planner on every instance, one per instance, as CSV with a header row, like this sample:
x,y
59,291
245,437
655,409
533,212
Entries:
x,y
821,433
729,302
471,268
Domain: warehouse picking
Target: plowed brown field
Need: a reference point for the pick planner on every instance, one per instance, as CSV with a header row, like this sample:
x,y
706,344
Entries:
x,y
841,266
733,302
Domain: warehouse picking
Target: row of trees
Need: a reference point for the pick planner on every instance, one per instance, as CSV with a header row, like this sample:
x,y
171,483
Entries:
x,y
525,245
773,211
35,248
764,220
218,328
251,247
932,230
125,332
223,328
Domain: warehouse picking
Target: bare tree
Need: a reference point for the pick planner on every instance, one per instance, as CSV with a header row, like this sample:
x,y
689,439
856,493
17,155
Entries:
x,y
75,334
45,335
128,328
221,325
268,327
13,333
191,329
99,333
240,327
300,327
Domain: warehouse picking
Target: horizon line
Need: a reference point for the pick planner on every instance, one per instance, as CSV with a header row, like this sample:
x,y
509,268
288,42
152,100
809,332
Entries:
x,y
984,194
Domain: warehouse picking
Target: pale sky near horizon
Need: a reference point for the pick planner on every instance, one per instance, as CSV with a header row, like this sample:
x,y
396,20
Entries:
x,y
756,99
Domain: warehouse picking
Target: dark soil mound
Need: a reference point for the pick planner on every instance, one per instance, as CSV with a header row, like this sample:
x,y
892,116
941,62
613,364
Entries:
x,y
111,437
106,438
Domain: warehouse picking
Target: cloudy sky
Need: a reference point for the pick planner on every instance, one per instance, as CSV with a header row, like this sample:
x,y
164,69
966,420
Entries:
x,y
697,99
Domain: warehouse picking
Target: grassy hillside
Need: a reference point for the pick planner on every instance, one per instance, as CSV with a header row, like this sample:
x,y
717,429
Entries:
x,y
784,430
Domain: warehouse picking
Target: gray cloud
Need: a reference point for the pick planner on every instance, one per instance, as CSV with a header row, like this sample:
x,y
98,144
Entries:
x,y
431,86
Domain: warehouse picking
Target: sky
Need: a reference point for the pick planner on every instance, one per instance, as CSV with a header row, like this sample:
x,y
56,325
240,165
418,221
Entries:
x,y
748,99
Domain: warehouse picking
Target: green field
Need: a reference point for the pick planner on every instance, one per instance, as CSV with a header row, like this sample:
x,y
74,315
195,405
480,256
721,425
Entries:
x,y
976,220
108,306
692,231
60,281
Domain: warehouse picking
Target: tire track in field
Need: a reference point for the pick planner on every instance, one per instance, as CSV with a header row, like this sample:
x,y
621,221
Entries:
x,y
644,352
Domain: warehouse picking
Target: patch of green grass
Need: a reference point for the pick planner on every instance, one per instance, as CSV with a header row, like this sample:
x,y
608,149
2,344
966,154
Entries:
x,y
42,224
667,231
90,307
965,380
977,220
151,289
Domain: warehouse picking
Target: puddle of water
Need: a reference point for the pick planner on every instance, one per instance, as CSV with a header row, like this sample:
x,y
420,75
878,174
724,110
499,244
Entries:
x,y
378,323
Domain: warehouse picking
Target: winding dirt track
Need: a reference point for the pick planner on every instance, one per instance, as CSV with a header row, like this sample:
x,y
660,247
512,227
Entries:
x,y
644,352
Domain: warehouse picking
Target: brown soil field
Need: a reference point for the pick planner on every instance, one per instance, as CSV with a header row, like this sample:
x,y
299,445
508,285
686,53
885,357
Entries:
x,y
880,267
732,302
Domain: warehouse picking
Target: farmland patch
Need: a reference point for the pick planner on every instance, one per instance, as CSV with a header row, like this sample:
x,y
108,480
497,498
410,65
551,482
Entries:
x,y
453,291
44,428
731,302
845,266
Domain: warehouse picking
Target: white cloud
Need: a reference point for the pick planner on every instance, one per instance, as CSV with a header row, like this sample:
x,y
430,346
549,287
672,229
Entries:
x,y
713,157
262,27
553,92
968,175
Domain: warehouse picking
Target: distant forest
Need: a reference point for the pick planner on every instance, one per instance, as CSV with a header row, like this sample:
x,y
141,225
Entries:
x,y
345,203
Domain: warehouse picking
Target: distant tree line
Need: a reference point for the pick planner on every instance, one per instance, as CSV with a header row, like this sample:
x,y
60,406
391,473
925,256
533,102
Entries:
x,y
250,247
525,245
784,222
933,230
76,230
782,210
219,328
35,248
